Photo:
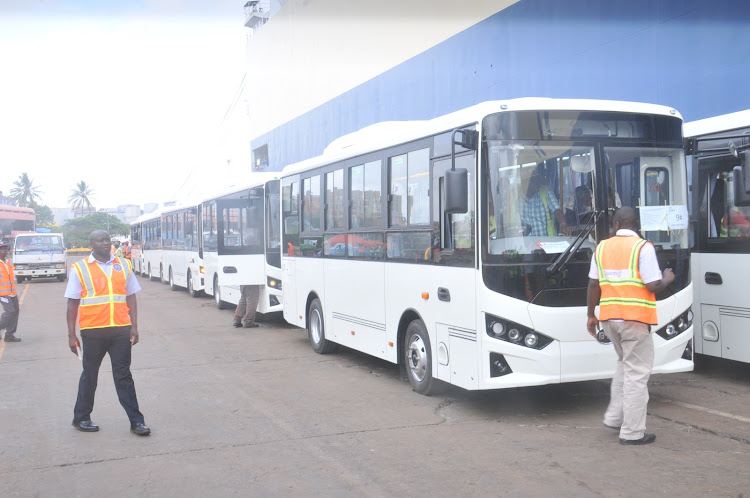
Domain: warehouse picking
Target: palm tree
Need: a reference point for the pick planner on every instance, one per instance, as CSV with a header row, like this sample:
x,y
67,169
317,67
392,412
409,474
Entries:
x,y
25,194
81,196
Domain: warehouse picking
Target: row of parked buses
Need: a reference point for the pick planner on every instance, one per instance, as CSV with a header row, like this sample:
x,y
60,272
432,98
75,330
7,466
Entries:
x,y
410,241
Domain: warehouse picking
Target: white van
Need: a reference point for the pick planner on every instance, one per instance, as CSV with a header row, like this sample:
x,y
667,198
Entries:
x,y
39,255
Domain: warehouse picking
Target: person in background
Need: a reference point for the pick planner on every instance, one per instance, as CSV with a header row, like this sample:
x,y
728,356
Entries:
x,y
623,279
118,249
244,315
8,296
539,208
101,294
127,250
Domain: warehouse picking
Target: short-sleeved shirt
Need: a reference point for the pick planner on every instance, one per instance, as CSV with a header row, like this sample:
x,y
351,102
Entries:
x,y
648,265
535,213
75,288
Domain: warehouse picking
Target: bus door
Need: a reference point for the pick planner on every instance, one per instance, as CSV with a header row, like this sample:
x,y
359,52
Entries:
x,y
453,279
241,260
719,261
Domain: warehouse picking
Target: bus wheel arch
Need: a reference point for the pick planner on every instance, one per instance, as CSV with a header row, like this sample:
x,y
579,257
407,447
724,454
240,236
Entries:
x,y
416,355
191,286
315,323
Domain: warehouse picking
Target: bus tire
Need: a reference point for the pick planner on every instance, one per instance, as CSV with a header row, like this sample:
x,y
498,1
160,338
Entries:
x,y
19,280
316,330
191,289
62,278
217,295
172,285
161,274
418,359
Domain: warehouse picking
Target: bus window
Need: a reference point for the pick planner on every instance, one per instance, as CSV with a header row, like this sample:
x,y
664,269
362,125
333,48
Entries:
x,y
311,203
728,221
409,187
365,194
334,201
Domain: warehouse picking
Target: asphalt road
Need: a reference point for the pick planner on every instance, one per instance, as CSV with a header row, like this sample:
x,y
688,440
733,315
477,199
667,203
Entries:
x,y
255,412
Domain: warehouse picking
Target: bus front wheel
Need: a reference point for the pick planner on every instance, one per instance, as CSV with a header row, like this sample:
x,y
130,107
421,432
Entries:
x,y
217,295
418,359
316,330
172,285
191,288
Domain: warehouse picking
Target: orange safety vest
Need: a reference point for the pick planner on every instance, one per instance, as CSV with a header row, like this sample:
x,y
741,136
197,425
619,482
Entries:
x,y
7,280
103,300
624,295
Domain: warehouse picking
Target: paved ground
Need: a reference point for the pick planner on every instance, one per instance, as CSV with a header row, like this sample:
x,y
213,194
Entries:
x,y
240,412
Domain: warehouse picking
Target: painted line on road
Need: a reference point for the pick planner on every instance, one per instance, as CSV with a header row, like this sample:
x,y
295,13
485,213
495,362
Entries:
x,y
709,410
20,301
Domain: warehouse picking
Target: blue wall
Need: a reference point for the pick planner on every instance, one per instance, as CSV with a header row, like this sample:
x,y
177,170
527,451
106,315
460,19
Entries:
x,y
686,54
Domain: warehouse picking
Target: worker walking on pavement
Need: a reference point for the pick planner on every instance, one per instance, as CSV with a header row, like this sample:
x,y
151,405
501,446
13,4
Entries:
x,y
101,294
8,296
623,279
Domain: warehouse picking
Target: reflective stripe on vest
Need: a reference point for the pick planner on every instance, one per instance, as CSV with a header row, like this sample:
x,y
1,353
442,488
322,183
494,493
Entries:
x,y
624,295
103,299
7,280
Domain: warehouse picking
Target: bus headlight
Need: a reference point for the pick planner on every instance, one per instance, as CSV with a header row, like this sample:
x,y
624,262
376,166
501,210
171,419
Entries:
x,y
531,339
273,283
515,333
676,326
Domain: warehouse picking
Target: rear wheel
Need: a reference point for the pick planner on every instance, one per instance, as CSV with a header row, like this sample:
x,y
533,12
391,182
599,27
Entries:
x,y
418,359
217,295
171,280
316,330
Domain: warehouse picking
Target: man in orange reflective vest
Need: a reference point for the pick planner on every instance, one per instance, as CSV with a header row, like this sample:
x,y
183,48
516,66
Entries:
x,y
101,294
8,296
623,280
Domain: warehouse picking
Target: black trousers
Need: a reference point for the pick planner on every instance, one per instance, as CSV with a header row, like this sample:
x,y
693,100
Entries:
x,y
9,318
97,343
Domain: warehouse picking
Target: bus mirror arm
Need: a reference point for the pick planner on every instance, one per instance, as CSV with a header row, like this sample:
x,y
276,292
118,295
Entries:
x,y
564,257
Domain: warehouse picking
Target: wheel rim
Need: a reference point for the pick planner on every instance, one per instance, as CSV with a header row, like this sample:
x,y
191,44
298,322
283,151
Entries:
x,y
416,357
316,325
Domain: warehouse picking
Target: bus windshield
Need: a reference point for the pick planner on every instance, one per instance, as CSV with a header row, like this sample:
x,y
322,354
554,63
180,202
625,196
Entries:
x,y
31,244
542,194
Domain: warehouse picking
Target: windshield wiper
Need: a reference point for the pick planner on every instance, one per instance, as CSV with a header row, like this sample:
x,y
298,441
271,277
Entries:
x,y
564,257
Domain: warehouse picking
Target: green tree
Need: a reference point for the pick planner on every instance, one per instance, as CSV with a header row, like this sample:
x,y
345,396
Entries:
x,y
81,196
76,231
44,215
24,193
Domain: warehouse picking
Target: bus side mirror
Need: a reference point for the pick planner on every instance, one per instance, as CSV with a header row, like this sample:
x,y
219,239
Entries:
x,y
456,191
741,196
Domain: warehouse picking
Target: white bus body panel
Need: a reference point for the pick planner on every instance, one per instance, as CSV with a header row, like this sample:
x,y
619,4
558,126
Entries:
x,y
180,262
726,305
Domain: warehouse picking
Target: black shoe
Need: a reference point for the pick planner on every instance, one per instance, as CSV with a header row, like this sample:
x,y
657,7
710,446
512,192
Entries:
x,y
12,339
237,325
140,429
251,325
85,426
646,439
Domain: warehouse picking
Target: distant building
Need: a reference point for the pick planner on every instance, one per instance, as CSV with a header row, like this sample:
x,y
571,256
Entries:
x,y
6,200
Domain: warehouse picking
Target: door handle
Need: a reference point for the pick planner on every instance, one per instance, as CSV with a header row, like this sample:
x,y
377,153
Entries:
x,y
713,278
444,294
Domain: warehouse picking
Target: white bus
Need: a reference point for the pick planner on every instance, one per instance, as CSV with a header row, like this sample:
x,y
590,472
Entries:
x,y
145,241
722,235
413,242
181,265
240,243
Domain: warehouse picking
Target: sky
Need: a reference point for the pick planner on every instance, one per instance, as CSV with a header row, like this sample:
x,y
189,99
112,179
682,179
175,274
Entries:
x,y
130,96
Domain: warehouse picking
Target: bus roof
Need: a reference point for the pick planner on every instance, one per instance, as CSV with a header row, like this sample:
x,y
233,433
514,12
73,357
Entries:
x,y
252,180
717,124
388,133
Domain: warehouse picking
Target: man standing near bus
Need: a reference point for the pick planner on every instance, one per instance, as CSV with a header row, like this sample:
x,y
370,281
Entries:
x,y
623,279
101,293
8,296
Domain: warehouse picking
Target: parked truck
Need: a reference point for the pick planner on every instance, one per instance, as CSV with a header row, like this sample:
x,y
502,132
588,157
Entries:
x,y
39,255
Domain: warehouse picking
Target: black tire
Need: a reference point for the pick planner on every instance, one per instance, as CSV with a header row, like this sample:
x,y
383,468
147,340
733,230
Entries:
x,y
316,330
217,295
190,288
172,285
418,359
150,276
161,275
62,278
19,280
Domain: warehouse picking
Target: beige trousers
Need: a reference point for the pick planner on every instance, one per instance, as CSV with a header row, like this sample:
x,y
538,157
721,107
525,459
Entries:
x,y
628,400
245,312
